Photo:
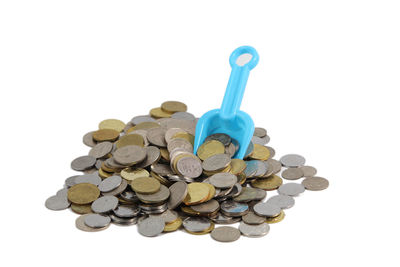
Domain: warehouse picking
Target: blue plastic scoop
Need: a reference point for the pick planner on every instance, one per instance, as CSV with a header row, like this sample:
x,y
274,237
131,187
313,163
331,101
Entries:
x,y
229,119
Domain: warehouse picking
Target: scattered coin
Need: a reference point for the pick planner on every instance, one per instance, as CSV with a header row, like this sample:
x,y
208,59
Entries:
x,y
292,160
196,224
258,230
260,132
269,183
221,137
178,192
113,124
130,155
57,203
145,185
151,226
282,201
110,183
131,174
105,135
266,209
308,171
276,219
225,234
83,193
131,139
92,178
210,148
234,209
216,162
174,106
291,189
80,224
223,180
83,163
97,220
252,218
105,204
292,173
144,118
189,167
315,183
126,211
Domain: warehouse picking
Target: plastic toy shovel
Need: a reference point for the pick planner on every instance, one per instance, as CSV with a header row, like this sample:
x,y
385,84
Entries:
x,y
229,119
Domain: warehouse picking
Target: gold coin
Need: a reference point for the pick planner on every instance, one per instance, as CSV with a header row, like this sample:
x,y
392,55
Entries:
x,y
211,194
210,148
113,124
145,185
260,152
187,136
208,230
164,154
241,177
161,179
104,174
197,193
173,106
173,226
276,219
188,210
129,140
270,183
237,166
143,126
105,135
159,113
83,193
81,209
131,174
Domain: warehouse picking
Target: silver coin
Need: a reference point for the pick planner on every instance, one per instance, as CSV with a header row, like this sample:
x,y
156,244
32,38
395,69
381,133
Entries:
x,y
308,171
189,167
224,219
83,163
70,181
236,190
252,218
183,116
251,168
62,192
291,189
221,137
196,224
249,149
262,168
142,133
225,234
101,150
98,164
254,230
206,207
143,118
126,211
57,203
123,221
223,180
130,155
292,160
168,216
259,132
153,208
178,192
105,204
266,209
230,150
80,224
282,201
92,178
121,188
261,194
152,156
171,132
180,143
129,196
292,173
88,139
151,226
275,165
97,220
259,140
161,169
110,183
216,162
111,163
235,209
315,183
156,136
160,196
271,151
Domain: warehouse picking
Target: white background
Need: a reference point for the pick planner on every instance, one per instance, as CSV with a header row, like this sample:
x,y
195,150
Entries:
x,y
326,87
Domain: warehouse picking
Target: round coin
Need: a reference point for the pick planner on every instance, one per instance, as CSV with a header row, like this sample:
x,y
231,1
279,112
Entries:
x,y
252,218
152,156
97,220
292,173
92,178
207,207
160,113
197,193
269,183
225,234
113,124
105,135
260,152
291,189
143,118
83,193
308,171
126,211
101,150
80,224
259,132
216,162
223,180
145,185
57,203
105,204
130,140
221,137
131,174
151,226
189,167
196,224
315,183
282,201
129,155
292,160
110,183
174,106
210,148
157,197
178,192
276,219
88,139
83,163
254,230
266,209
235,209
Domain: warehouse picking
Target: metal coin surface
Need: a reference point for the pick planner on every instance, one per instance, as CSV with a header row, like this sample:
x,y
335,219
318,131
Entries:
x,y
251,168
80,224
151,226
276,219
254,230
152,156
269,183
276,165
260,152
235,209
252,218
216,162
291,189
223,180
247,194
97,220
70,181
173,226
121,188
126,211
57,203
315,183
83,163
292,160
105,135
156,136
224,219
180,143
110,183
130,139
88,139
113,124
157,197
259,141
178,192
308,171
62,193
100,150
123,221
92,178
174,106
292,173
266,209
171,132
130,155
143,134
81,209
196,224
225,234
197,193
105,204
259,132
161,169
160,113
182,115
282,201
206,207
145,185
131,174
189,167
221,137
210,148
83,193
168,216
143,118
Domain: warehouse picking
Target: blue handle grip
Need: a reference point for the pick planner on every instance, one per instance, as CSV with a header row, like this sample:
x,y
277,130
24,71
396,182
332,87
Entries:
x,y
237,81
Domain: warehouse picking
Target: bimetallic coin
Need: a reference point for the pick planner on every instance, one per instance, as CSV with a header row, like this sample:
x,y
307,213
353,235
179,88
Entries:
x,y
252,218
234,209
282,201
196,224
225,234
83,163
110,183
80,224
223,180
83,193
57,203
254,230
130,155
101,150
113,124
145,185
97,220
315,183
178,192
291,189
62,193
174,106
161,169
292,160
292,173
266,209
105,204
308,171
151,226
251,168
126,211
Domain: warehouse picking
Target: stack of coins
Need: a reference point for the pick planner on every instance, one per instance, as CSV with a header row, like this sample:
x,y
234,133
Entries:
x,y
144,172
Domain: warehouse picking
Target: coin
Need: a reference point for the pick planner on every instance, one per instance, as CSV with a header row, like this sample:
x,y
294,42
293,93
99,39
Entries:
x,y
189,167
171,132
260,152
173,226
81,209
130,155
196,224
223,219
143,134
130,140
197,193
275,165
80,224
291,189
292,160
105,204
83,193
153,155
182,115
156,136
105,135
92,178
252,218
276,219
151,226
223,180
254,230
70,181
292,173
88,139
131,174
210,148
143,118
126,211
251,168
110,183
259,132
206,207
237,166
83,163
123,221
161,169
173,106
282,201
221,137
57,203
97,220
145,185
178,192
113,124
144,126
266,209
168,216
269,183
249,149
216,162
157,197
259,141
247,194
225,234
308,171
160,113
234,209
187,136
315,183
121,188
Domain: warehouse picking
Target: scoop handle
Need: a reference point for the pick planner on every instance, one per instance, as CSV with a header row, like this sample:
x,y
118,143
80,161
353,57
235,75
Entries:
x,y
237,80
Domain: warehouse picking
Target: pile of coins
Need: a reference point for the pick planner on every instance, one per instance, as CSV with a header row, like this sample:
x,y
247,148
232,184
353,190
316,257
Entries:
x,y
145,173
